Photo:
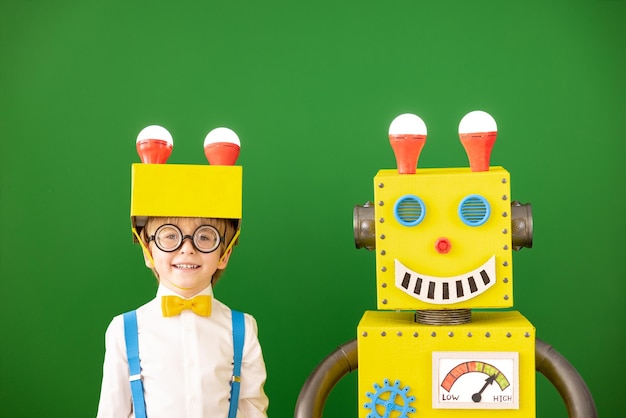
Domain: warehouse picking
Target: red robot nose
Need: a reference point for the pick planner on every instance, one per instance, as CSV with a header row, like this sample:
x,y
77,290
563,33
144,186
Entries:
x,y
443,245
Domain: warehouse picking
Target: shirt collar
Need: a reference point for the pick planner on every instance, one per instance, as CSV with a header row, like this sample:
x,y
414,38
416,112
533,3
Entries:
x,y
164,291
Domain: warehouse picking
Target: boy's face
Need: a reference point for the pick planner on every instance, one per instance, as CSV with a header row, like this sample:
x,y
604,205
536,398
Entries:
x,y
186,270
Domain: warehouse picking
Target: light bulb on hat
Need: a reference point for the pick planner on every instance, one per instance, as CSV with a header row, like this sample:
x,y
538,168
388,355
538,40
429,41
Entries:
x,y
221,146
478,132
154,144
407,136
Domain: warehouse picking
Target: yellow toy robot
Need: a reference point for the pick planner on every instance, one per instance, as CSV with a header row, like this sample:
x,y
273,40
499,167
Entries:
x,y
440,343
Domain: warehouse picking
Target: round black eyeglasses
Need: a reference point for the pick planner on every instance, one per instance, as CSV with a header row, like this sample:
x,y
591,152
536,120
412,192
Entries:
x,y
169,238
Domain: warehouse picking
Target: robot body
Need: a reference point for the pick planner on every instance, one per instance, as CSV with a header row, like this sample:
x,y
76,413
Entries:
x,y
443,343
443,240
443,367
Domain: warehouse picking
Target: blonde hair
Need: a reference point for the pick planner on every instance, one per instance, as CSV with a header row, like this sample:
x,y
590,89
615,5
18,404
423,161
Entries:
x,y
228,227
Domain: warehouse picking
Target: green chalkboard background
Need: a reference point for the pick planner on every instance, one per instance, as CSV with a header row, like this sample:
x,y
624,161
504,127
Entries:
x,y
311,88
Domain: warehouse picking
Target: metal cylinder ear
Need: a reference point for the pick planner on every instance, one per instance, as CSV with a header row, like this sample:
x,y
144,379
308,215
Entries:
x,y
364,226
521,225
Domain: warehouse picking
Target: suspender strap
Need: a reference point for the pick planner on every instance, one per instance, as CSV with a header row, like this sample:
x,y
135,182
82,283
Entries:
x,y
132,352
238,340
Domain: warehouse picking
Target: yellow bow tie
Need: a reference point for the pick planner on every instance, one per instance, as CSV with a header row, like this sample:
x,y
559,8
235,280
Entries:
x,y
173,305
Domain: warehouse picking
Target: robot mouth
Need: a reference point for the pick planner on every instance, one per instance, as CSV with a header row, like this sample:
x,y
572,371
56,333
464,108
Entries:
x,y
446,290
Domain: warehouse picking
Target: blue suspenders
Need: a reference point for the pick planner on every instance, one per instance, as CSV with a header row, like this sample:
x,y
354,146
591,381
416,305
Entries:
x,y
132,353
239,329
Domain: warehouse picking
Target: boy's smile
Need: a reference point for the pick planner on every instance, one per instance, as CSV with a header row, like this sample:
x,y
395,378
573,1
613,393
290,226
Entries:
x,y
186,266
186,270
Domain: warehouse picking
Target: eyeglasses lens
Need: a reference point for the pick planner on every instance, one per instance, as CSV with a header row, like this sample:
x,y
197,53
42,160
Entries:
x,y
206,238
168,238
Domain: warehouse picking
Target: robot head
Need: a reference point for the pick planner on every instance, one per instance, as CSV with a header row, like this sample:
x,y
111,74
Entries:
x,y
176,190
443,237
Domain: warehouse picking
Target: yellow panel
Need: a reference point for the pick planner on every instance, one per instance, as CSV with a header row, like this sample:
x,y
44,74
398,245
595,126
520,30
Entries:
x,y
441,191
186,191
392,346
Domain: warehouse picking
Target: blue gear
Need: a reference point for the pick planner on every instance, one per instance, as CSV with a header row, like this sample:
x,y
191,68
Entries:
x,y
389,403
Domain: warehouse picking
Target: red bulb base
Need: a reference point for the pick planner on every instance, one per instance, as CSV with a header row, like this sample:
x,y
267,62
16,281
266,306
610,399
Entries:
x,y
154,151
407,149
222,153
478,146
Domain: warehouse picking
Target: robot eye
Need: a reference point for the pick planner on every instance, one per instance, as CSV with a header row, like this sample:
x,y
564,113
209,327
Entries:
x,y
409,210
474,210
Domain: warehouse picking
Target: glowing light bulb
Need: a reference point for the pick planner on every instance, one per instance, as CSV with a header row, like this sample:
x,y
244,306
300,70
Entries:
x,y
478,132
154,144
221,147
407,136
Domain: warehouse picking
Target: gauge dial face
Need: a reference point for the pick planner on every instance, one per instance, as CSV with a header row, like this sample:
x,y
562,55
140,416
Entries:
x,y
475,380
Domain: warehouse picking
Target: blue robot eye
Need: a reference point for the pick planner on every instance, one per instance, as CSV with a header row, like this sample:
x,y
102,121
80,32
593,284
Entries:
x,y
474,210
409,210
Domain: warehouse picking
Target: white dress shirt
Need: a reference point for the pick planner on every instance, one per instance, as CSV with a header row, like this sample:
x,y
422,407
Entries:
x,y
186,365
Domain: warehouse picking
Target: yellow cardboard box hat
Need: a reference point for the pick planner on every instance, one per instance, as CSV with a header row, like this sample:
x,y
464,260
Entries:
x,y
175,190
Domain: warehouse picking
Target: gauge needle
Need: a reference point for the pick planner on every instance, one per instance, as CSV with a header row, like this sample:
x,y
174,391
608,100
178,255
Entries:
x,y
478,396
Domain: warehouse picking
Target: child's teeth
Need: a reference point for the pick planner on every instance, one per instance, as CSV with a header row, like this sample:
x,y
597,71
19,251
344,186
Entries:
x,y
186,266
